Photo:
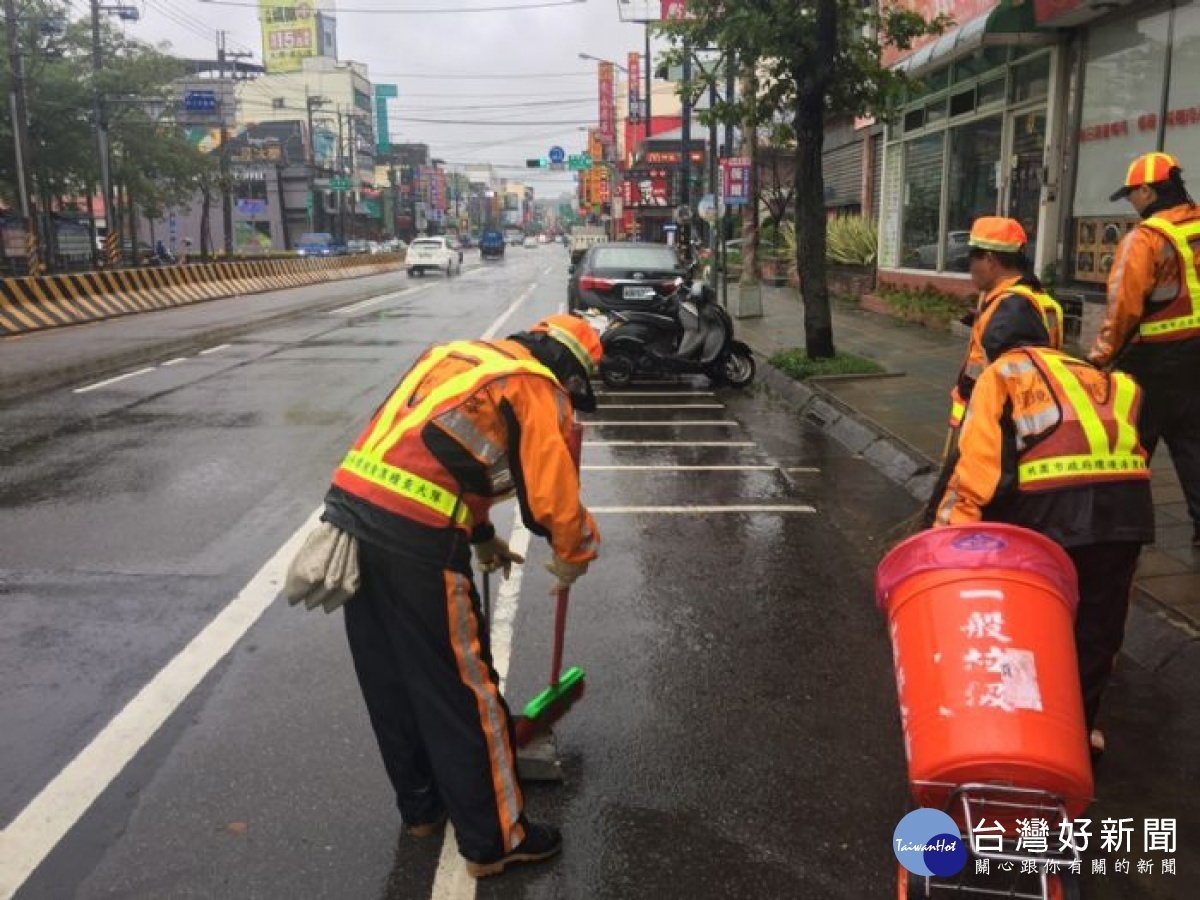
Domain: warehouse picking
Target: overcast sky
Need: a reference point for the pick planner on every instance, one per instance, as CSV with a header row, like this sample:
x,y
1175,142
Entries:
x,y
517,66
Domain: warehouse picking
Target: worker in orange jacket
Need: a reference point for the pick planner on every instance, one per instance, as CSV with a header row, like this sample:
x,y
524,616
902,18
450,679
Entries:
x,y
1011,300
471,423
1151,326
1050,443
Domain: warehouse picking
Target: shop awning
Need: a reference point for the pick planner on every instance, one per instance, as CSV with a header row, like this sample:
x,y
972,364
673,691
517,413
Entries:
x,y
1010,23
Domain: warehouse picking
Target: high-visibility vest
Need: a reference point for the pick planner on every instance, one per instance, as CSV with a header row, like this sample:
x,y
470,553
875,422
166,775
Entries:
x,y
402,476
1074,438
1052,317
1179,320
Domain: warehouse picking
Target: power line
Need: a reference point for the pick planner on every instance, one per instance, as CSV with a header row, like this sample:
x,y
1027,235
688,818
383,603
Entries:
x,y
412,12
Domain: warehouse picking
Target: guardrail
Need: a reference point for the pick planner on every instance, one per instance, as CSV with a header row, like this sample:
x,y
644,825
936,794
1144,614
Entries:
x,y
53,301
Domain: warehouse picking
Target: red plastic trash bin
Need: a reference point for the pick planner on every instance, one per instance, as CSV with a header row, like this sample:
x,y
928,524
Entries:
x,y
981,619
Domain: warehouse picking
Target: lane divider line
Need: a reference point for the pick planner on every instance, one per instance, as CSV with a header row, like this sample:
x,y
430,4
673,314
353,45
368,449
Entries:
x,y
382,298
601,406
655,394
686,423
216,349
107,381
504,317
669,444
174,362
636,468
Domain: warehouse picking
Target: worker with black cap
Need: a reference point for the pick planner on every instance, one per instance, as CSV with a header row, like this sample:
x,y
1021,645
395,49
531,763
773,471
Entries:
x,y
1151,326
1050,443
471,423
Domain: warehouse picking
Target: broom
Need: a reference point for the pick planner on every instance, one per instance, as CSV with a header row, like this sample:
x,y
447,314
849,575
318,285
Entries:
x,y
565,687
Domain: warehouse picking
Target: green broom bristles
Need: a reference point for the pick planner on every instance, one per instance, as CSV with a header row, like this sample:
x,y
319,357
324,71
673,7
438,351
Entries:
x,y
550,705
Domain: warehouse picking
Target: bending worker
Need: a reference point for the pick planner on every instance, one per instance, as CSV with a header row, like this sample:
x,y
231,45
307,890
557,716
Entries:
x,y
1151,327
1011,300
1050,443
471,422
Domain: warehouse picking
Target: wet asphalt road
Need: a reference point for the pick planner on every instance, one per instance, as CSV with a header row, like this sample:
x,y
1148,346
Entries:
x,y
738,737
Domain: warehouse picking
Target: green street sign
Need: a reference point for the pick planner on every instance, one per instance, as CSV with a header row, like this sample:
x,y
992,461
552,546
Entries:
x,y
580,162
339,184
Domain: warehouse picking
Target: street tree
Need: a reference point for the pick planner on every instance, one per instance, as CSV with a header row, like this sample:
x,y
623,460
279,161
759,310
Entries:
x,y
811,59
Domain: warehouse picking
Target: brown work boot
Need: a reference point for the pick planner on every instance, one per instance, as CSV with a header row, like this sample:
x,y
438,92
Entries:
x,y
425,829
541,842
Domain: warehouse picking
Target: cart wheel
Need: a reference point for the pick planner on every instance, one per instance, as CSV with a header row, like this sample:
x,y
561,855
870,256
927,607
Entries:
x,y
1064,886
908,885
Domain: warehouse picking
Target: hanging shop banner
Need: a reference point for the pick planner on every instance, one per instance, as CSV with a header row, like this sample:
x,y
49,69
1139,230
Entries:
x,y
674,9
634,64
650,188
289,30
608,117
735,180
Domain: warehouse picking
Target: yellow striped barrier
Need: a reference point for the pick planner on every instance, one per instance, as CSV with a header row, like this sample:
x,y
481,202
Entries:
x,y
52,301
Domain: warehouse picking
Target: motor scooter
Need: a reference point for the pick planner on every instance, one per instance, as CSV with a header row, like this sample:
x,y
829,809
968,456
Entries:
x,y
684,332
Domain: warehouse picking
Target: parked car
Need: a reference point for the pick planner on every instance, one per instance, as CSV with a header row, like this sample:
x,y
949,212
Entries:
x,y
530,243
491,245
357,246
616,274
957,253
432,254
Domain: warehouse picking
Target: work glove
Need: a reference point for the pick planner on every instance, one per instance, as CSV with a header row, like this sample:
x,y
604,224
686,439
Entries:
x,y
494,554
565,573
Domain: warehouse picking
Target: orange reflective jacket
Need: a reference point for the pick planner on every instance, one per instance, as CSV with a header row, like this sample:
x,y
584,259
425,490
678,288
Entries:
x,y
490,406
1047,309
1040,420
1154,285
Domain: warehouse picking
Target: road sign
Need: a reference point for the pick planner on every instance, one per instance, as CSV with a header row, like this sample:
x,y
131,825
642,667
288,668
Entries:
x,y
557,154
200,101
580,162
252,208
339,184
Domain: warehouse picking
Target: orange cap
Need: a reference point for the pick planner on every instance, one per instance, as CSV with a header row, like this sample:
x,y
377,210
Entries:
x,y
1149,168
997,233
577,335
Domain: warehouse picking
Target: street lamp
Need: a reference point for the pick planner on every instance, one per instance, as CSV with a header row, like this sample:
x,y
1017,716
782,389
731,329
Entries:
x,y
602,60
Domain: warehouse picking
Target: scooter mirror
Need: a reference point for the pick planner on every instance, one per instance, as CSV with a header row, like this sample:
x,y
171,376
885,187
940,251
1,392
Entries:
x,y
697,290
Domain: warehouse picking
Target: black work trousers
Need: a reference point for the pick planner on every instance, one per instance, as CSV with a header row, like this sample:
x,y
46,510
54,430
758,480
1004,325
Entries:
x,y
1171,412
1105,574
424,664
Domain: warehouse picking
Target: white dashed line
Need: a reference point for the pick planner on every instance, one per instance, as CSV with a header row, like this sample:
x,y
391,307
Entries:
x,y
216,349
174,362
719,423
604,406
107,381
698,510
669,444
654,393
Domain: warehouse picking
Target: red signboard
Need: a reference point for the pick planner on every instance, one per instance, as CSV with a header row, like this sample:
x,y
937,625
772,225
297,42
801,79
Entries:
x,y
1047,12
608,114
669,157
961,11
651,188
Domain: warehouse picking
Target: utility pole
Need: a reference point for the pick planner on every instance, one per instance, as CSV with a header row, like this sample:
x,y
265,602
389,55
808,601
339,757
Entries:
x,y
112,218
20,117
341,170
223,56
684,210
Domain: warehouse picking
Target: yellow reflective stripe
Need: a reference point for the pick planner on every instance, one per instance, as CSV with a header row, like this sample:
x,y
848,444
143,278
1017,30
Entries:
x,y
1050,309
401,394
1125,393
957,411
492,363
1085,410
406,484
989,244
1179,236
1079,466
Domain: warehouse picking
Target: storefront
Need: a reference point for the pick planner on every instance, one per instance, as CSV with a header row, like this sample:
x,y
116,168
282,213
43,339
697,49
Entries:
x,y
1139,72
975,139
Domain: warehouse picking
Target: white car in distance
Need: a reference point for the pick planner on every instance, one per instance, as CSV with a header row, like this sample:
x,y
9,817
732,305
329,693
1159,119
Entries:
x,y
432,254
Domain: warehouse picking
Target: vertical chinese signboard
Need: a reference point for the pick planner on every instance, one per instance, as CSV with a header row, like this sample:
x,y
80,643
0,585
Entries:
x,y
634,64
608,117
735,180
289,30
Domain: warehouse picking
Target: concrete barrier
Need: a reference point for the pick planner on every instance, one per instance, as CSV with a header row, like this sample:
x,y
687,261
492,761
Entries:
x,y
52,301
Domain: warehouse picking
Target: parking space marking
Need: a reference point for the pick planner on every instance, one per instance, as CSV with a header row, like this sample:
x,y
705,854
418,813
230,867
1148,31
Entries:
x,y
802,470
669,444
654,394
701,510
107,381
216,349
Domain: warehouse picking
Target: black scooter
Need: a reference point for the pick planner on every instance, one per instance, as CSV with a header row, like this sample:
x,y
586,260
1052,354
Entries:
x,y
685,332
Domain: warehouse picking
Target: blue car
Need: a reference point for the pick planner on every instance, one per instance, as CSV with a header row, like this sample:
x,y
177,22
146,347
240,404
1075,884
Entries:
x,y
491,245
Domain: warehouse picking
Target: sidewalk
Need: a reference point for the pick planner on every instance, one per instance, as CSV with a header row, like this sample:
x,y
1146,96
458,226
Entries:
x,y
911,404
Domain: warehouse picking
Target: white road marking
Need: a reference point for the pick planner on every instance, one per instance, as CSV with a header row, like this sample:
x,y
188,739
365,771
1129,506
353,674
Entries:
x,y
107,381
690,423
45,820
695,510
669,444
372,301
50,815
216,349
174,362
678,468
547,270
499,323
654,394
803,470
601,406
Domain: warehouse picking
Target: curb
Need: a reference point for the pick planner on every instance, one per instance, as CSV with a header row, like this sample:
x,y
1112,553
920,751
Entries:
x,y
1156,636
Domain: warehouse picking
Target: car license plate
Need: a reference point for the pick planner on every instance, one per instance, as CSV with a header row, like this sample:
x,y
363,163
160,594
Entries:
x,y
638,293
